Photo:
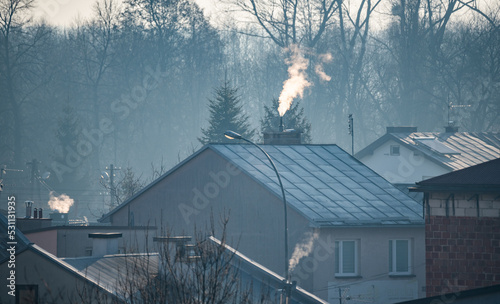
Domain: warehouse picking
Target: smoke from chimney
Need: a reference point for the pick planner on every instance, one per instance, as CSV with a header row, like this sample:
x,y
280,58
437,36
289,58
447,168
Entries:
x,y
297,79
324,58
60,203
302,249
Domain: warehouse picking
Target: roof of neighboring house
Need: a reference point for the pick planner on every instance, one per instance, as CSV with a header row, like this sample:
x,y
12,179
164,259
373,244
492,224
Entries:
x,y
489,294
249,265
454,151
23,244
482,177
113,271
20,241
324,183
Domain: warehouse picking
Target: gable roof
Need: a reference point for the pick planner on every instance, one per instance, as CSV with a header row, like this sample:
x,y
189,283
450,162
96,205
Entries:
x,y
454,151
324,183
482,177
246,264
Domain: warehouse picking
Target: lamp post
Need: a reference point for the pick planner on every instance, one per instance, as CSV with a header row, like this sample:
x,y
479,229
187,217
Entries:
x,y
234,135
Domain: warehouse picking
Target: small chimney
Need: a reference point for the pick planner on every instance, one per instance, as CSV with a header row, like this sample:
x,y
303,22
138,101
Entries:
x,y
28,204
40,214
35,213
104,243
450,129
401,129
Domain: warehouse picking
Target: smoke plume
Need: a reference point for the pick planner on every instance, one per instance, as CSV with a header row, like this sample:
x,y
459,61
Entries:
x,y
297,79
60,203
302,249
324,58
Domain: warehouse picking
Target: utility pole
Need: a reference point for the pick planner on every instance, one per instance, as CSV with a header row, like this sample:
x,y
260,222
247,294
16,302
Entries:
x,y
351,132
3,170
112,190
34,177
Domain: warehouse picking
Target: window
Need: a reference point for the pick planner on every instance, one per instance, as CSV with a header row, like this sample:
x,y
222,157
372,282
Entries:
x,y
26,294
395,150
399,257
346,258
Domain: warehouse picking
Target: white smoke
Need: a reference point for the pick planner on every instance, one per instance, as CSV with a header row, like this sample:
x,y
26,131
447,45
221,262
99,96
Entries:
x,y
324,58
302,249
60,203
297,79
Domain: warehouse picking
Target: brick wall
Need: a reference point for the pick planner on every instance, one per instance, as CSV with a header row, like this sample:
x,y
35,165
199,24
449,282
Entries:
x,y
461,253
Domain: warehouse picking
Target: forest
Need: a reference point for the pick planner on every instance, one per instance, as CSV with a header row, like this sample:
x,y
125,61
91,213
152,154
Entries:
x,y
131,85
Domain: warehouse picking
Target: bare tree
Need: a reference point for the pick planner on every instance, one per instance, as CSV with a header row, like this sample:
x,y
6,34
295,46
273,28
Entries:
x,y
18,73
288,22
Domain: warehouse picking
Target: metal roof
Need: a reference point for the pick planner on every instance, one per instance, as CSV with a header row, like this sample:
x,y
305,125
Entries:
x,y
326,184
482,177
454,151
112,271
21,242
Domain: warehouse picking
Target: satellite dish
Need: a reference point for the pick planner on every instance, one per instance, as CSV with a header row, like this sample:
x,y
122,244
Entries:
x,y
105,176
46,175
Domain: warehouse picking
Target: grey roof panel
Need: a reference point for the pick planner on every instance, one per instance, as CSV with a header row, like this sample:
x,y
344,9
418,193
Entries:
x,y
324,182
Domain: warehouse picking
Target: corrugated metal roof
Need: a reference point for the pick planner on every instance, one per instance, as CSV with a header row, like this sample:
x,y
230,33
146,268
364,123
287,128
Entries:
x,y
469,149
112,271
326,184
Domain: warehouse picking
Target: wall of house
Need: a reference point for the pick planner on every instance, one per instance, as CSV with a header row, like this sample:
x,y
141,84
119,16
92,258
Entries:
x,y
46,239
405,168
55,284
203,191
75,241
374,283
462,249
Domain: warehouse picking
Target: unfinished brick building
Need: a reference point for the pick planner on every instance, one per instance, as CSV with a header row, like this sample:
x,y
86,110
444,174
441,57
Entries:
x,y
462,229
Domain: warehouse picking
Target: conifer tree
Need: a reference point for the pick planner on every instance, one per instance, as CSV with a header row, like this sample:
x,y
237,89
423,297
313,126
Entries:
x,y
225,114
293,119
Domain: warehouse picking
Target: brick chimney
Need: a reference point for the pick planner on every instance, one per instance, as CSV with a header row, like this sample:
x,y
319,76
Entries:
x,y
287,137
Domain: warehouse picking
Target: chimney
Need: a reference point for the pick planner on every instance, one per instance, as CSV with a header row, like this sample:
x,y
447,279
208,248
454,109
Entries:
x,y
59,219
450,129
28,204
104,243
40,214
287,137
35,213
401,129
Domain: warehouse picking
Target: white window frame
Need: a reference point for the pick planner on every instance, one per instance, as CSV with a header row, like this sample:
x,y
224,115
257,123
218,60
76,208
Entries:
x,y
340,258
393,254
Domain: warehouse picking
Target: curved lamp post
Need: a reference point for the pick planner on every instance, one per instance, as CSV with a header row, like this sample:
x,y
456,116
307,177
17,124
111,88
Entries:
x,y
234,135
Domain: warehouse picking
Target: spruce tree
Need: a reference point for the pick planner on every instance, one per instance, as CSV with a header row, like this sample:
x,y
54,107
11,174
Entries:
x,y
226,113
293,119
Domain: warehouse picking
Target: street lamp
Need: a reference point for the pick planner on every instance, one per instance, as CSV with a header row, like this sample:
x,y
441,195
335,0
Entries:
x,y
233,135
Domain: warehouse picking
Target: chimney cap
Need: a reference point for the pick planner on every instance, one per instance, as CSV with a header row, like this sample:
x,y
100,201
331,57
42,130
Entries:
x,y
173,239
105,235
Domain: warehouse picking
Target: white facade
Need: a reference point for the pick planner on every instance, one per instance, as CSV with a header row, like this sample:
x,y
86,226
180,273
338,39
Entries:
x,y
406,167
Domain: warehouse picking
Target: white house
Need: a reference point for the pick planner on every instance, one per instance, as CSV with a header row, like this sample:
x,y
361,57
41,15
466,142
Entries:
x,y
405,156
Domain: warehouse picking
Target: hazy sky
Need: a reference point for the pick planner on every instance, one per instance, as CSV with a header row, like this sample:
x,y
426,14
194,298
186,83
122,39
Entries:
x,y
64,12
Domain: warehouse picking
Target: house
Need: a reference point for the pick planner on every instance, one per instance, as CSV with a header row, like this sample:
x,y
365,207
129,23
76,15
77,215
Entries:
x,y
74,241
462,229
36,276
404,156
347,226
